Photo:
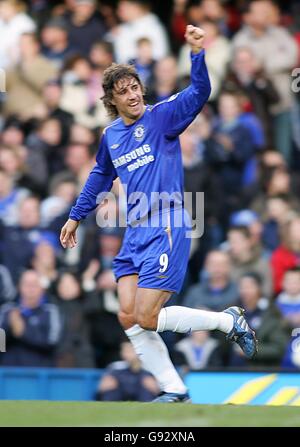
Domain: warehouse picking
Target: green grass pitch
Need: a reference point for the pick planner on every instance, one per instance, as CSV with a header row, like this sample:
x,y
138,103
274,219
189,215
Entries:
x,y
132,414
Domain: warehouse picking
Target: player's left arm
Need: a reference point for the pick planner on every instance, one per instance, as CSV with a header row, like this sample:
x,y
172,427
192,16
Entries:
x,y
180,110
98,184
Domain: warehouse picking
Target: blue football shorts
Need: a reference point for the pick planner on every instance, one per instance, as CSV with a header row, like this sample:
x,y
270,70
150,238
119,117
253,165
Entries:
x,y
158,254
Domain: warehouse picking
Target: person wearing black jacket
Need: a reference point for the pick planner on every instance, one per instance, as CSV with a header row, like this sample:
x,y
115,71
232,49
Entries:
x,y
259,92
85,26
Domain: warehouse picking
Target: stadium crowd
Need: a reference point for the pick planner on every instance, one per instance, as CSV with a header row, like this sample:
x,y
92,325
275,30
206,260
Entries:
x,y
59,307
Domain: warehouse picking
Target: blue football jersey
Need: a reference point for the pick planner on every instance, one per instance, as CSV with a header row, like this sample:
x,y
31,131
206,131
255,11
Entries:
x,y
146,155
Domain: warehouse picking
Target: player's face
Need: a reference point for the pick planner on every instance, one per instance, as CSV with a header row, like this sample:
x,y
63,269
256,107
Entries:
x,y
128,99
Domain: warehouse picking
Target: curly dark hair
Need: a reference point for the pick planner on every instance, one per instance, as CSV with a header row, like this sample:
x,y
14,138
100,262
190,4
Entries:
x,y
111,75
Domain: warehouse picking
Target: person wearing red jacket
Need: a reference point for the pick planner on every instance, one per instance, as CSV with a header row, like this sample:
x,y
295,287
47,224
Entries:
x,y
287,255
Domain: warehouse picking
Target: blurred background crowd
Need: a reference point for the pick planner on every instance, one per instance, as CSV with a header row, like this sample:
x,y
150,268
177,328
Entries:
x,y
59,307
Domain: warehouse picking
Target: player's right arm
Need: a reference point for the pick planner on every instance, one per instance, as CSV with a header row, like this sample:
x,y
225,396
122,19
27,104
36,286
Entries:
x,y
100,180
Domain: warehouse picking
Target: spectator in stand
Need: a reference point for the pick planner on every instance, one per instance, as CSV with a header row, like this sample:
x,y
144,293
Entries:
x,y
62,193
74,350
278,212
77,72
228,148
78,159
126,380
17,243
217,56
101,56
288,302
33,326
137,21
276,50
54,38
216,290
13,160
84,25
12,133
268,161
198,177
197,351
178,24
267,322
165,82
44,262
214,11
46,141
52,93
193,12
10,197
144,62
26,80
7,288
13,23
247,256
107,12
247,75
83,135
287,255
80,93
247,218
280,182
101,299
273,159
55,208
253,124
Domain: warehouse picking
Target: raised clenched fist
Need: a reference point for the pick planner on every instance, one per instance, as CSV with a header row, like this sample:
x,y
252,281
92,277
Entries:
x,y
194,36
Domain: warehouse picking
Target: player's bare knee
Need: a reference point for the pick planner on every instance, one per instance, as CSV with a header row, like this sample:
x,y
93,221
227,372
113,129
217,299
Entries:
x,y
126,320
147,322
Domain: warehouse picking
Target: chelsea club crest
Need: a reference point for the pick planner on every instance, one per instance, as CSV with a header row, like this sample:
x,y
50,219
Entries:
x,y
139,132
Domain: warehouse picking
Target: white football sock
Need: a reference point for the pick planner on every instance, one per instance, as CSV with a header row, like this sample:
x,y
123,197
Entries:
x,y
184,319
155,358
